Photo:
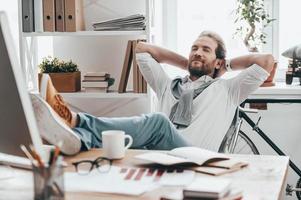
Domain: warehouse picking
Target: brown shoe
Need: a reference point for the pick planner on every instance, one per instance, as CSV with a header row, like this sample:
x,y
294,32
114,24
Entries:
x,y
55,100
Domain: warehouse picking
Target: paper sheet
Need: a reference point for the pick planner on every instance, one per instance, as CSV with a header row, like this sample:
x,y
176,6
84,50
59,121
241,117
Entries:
x,y
128,181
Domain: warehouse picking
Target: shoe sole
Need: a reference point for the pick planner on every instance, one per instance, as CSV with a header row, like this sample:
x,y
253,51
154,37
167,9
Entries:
x,y
51,127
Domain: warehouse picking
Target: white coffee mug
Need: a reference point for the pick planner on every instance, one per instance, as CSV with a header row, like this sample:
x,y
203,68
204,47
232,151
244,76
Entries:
x,y
113,143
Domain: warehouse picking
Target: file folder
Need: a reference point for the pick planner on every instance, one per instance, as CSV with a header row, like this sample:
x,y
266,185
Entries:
x,y
38,15
74,20
49,15
59,15
27,16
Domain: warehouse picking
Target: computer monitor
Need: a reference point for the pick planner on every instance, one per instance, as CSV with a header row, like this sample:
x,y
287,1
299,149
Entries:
x,y
17,120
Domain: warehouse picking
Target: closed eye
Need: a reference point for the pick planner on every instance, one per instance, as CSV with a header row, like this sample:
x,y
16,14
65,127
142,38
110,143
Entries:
x,y
194,48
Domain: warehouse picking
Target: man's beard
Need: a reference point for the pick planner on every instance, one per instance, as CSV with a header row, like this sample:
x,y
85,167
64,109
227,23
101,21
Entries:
x,y
199,71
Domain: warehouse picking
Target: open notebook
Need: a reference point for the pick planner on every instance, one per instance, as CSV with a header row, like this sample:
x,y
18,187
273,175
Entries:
x,y
197,159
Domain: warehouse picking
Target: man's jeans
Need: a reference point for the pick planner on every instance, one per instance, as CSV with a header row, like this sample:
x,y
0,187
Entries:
x,y
150,131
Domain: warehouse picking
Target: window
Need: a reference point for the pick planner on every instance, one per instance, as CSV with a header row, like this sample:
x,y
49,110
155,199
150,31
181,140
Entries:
x,y
186,19
289,30
191,17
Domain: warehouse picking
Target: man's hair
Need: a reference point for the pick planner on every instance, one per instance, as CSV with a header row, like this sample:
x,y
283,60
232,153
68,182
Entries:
x,y
220,51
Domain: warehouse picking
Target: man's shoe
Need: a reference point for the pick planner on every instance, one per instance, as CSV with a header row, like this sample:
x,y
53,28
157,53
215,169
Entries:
x,y
55,100
52,128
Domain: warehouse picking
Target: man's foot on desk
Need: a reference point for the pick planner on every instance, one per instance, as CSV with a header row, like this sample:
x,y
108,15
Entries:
x,y
56,101
52,128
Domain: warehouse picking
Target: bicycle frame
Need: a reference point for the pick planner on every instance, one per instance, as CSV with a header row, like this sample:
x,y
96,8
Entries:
x,y
243,115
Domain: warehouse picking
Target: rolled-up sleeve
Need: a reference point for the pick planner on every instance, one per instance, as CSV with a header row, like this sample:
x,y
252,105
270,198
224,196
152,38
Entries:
x,y
249,80
152,72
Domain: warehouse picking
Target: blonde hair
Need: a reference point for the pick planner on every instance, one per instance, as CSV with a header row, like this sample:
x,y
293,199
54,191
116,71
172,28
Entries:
x,y
220,51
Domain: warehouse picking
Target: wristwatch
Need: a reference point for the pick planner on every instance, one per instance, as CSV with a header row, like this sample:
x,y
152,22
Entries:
x,y
228,65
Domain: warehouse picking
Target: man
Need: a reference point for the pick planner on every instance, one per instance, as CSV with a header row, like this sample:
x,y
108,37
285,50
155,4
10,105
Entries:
x,y
202,105
81,131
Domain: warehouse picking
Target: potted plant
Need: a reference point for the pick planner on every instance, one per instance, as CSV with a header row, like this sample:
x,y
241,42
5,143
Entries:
x,y
251,17
65,75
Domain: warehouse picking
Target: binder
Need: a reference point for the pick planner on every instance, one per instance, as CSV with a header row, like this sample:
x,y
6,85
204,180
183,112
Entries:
x,y
74,18
126,68
38,15
144,85
140,82
59,15
135,69
27,16
49,15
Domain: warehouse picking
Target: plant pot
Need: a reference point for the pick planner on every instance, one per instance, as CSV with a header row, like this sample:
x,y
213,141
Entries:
x,y
269,81
65,82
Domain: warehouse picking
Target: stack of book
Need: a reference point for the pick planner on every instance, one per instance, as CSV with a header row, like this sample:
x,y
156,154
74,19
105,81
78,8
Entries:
x,y
96,82
52,15
211,189
129,23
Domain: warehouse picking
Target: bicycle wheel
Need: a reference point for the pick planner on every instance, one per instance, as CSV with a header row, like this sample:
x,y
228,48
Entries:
x,y
244,145
298,185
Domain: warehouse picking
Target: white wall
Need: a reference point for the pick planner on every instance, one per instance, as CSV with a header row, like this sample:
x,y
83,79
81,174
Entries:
x,y
103,53
281,122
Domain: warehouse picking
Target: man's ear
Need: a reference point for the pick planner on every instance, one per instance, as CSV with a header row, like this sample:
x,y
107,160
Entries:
x,y
219,63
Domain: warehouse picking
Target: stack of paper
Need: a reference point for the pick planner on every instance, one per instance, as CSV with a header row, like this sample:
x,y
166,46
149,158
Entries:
x,y
127,180
207,188
129,23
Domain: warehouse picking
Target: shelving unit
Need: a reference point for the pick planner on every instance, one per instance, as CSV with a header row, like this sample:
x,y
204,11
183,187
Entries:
x,y
28,43
109,95
87,33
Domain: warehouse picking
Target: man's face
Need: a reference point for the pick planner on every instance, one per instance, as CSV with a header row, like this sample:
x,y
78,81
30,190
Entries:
x,y
202,57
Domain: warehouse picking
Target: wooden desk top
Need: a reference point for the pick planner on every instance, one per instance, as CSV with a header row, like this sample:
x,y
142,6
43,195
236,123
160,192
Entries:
x,y
264,178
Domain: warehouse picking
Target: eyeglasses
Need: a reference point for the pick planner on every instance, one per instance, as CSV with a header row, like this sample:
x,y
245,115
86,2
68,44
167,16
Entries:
x,y
84,167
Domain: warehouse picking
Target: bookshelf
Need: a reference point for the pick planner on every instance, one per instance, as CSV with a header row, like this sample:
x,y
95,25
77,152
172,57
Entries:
x,y
109,95
143,34
29,46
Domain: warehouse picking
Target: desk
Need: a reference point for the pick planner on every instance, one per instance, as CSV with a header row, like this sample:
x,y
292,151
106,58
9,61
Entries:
x,y
254,180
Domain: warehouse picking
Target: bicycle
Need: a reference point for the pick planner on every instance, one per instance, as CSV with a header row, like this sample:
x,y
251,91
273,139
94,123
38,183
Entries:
x,y
236,141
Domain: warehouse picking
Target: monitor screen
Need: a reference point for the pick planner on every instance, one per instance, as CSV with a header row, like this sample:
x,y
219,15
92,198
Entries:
x,y
17,120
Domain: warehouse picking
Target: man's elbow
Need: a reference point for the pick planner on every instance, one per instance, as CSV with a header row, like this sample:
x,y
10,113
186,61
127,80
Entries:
x,y
268,62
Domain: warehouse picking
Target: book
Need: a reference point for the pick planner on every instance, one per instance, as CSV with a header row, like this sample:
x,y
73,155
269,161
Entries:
x,y
218,168
233,194
95,78
124,20
183,155
135,68
94,84
96,74
96,89
128,58
207,188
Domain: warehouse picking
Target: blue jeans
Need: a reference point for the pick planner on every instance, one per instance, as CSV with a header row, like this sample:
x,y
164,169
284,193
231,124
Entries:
x,y
150,131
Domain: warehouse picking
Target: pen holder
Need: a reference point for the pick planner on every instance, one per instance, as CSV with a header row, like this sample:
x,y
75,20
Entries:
x,y
48,183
